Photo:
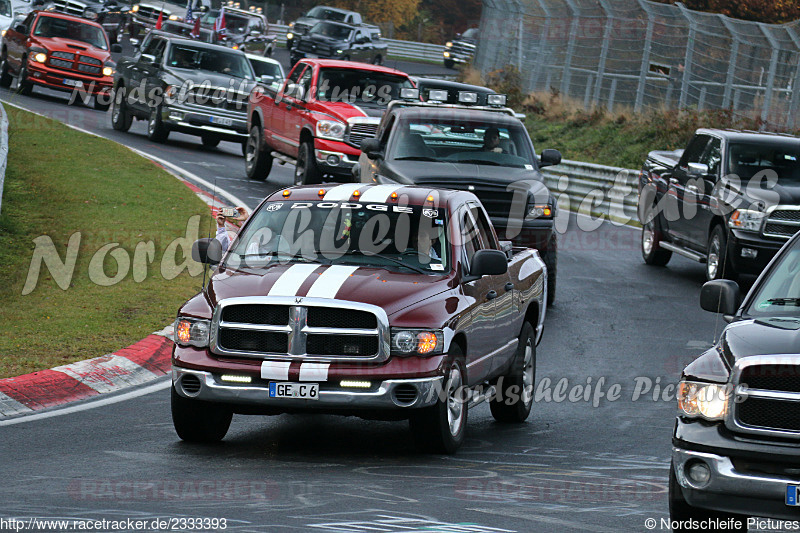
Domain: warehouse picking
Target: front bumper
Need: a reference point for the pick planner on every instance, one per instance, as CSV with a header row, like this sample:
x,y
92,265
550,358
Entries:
x,y
54,79
345,155
532,233
765,250
200,121
458,58
753,491
382,396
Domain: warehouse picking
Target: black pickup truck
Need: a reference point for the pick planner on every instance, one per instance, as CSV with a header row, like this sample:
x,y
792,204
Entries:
x,y
730,200
186,86
482,149
336,40
736,445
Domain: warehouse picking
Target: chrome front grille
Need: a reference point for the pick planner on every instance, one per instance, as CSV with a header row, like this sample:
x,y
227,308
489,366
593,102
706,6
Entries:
x,y
782,222
60,63
767,399
464,50
313,47
70,7
218,99
63,55
360,129
308,329
150,14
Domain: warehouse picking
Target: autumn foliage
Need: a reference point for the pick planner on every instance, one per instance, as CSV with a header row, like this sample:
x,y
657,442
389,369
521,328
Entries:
x,y
772,11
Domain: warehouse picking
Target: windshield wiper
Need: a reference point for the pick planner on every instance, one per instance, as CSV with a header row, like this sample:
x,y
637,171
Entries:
x,y
381,256
292,257
416,158
784,301
480,162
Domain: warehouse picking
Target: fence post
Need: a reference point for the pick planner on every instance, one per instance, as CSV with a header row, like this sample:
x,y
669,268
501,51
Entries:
x,y
730,78
601,67
794,106
588,92
537,67
611,93
687,60
645,68
573,36
773,67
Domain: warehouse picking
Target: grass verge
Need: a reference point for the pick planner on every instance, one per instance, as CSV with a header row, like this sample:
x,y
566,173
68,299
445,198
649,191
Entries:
x,y
60,182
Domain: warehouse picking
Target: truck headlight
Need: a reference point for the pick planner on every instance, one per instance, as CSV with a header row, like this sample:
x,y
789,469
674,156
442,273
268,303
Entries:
x,y
290,36
192,331
746,220
108,71
89,14
703,400
446,54
135,8
541,211
407,342
330,129
174,17
449,44
40,57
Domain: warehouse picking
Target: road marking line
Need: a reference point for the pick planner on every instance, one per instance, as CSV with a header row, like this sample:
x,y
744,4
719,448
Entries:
x,y
572,524
91,404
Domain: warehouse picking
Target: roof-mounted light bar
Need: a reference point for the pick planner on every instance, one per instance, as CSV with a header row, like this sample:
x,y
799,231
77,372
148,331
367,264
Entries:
x,y
498,100
409,94
437,95
466,97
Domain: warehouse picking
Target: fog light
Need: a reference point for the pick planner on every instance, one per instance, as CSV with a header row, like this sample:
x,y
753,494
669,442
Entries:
x,y
333,160
698,472
352,384
749,253
236,379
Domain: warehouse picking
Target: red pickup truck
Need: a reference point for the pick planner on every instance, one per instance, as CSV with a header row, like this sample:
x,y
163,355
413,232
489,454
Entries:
x,y
381,301
318,118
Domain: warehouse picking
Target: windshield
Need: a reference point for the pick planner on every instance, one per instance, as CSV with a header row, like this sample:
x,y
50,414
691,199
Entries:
x,y
779,294
5,8
266,68
70,29
185,30
334,31
357,86
456,140
320,12
471,33
235,24
396,237
781,156
189,57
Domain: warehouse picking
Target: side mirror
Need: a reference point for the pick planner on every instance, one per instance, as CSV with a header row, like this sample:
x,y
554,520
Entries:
x,y
147,58
134,42
721,296
207,251
20,28
267,79
255,33
697,169
549,158
487,263
372,148
116,48
294,90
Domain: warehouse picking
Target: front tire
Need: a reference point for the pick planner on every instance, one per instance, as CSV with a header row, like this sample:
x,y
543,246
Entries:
x,y
718,265
517,384
682,512
121,119
198,421
377,60
24,86
156,130
652,253
257,159
449,63
440,428
306,171
5,75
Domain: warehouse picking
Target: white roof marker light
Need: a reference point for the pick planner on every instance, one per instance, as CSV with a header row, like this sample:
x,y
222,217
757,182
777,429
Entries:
x,y
409,94
465,97
437,95
496,99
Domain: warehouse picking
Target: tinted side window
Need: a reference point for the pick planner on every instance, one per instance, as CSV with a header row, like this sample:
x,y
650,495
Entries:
x,y
713,156
470,236
695,150
483,227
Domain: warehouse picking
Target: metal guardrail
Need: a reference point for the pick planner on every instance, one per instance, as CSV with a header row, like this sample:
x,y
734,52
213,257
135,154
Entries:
x,y
397,48
3,150
595,190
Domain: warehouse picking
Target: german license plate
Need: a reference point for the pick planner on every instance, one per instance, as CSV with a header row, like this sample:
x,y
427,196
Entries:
x,y
222,121
73,83
791,495
302,391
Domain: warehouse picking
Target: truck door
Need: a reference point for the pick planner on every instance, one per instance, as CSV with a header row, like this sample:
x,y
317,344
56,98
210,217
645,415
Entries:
x,y
507,323
15,39
281,126
482,339
698,195
681,228
150,73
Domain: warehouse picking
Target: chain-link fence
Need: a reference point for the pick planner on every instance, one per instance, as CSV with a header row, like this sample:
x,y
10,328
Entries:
x,y
642,54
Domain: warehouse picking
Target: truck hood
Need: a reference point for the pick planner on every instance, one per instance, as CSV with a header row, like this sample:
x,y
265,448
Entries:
x,y
444,172
305,22
316,38
343,111
746,338
391,290
60,44
211,79
778,195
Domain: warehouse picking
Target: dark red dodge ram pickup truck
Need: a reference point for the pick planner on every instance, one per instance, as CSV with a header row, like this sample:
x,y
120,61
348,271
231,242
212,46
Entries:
x,y
387,301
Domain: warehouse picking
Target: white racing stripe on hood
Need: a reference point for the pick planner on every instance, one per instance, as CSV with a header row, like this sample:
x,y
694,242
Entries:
x,y
330,281
379,193
291,280
342,193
